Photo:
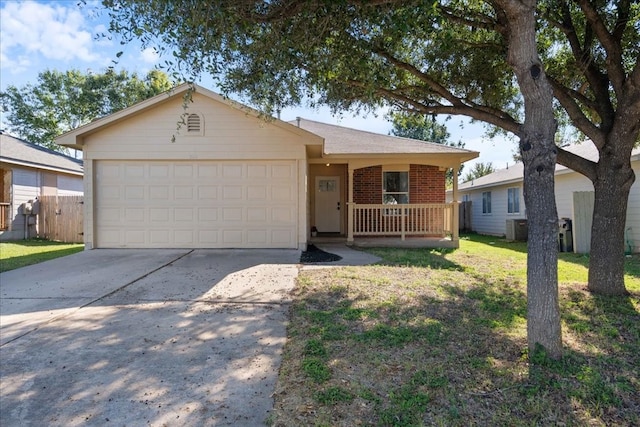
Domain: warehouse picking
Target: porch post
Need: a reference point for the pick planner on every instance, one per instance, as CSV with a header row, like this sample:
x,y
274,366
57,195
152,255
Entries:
x,y
350,206
455,237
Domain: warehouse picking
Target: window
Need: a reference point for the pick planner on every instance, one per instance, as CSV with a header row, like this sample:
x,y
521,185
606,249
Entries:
x,y
395,188
513,200
486,202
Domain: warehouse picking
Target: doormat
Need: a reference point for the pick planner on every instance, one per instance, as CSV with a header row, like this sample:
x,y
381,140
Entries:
x,y
314,254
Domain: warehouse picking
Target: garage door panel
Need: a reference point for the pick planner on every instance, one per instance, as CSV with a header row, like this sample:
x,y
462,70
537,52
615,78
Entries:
x,y
184,238
257,237
159,192
159,237
207,215
231,237
208,238
135,237
282,215
159,171
207,192
207,171
281,236
133,215
232,171
196,204
183,171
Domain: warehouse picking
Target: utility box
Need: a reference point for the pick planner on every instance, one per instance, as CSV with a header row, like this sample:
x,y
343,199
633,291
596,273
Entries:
x,y
517,230
565,235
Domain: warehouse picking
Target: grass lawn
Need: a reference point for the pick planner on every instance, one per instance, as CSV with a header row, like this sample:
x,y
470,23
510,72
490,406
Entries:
x,y
26,252
431,337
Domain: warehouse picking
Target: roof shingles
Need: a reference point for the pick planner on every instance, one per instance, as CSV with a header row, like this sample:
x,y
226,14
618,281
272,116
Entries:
x,y
17,151
341,140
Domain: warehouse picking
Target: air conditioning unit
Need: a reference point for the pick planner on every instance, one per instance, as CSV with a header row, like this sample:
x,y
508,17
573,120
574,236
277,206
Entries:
x,y
517,230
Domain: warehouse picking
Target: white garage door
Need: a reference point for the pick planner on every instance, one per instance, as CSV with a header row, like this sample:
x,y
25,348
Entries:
x,y
199,204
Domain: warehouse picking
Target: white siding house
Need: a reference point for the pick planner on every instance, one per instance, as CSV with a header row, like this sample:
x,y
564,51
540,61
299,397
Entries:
x,y
28,172
493,221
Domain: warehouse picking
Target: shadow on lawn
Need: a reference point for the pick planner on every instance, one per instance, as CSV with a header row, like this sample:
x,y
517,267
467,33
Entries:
x,y
462,357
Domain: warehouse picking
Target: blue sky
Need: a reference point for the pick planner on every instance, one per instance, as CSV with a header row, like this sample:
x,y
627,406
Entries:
x,y
36,35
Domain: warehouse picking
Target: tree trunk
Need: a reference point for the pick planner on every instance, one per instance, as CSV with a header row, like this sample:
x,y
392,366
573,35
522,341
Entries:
x,y
612,186
538,150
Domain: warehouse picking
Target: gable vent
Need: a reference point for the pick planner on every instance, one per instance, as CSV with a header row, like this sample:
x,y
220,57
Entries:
x,y
193,124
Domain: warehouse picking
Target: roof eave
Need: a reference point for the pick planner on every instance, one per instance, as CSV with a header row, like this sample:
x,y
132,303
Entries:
x,y
457,157
40,166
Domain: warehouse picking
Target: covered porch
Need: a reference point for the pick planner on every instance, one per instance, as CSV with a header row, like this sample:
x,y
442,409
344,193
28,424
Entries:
x,y
337,212
378,190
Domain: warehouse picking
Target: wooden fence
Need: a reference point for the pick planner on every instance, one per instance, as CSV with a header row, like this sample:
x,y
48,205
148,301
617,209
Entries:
x,y
60,218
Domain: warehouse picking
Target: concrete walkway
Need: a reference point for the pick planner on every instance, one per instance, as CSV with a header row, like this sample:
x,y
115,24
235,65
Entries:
x,y
147,337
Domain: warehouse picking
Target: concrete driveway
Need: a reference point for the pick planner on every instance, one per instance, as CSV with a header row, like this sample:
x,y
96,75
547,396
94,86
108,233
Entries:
x,y
144,337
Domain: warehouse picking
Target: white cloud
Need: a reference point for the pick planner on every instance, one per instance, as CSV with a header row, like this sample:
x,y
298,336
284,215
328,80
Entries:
x,y
149,55
56,32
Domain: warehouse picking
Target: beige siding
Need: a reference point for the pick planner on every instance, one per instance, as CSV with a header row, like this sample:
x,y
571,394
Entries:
x,y
228,134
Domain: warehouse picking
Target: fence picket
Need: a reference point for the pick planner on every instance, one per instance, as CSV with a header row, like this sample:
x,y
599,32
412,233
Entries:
x,y
60,218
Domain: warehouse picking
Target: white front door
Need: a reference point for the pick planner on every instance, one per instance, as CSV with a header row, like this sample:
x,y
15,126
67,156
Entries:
x,y
328,204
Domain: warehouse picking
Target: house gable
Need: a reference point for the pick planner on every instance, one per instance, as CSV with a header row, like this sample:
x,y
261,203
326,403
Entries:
x,y
222,133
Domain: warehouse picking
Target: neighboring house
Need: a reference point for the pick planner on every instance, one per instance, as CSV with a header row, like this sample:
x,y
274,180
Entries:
x,y
497,197
233,179
28,172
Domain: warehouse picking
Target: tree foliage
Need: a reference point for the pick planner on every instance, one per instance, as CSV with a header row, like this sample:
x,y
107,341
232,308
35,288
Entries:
x,y
62,101
424,128
479,169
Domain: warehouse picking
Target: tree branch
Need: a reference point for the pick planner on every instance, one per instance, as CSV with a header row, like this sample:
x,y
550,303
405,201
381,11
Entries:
x,y
431,83
502,120
577,163
475,20
598,81
567,99
610,43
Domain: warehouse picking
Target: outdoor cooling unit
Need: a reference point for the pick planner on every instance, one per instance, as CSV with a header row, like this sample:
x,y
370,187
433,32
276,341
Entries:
x,y
517,230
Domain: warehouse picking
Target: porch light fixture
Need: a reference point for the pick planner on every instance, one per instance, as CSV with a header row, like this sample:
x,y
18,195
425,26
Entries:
x,y
328,164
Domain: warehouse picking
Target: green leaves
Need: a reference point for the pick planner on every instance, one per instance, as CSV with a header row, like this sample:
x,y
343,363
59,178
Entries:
x,y
62,101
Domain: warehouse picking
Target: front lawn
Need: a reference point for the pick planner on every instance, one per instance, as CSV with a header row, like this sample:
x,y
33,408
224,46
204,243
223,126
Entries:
x,y
432,337
26,252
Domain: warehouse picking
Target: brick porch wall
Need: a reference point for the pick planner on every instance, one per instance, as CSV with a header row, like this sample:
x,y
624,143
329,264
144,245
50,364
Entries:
x,y
367,185
426,185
